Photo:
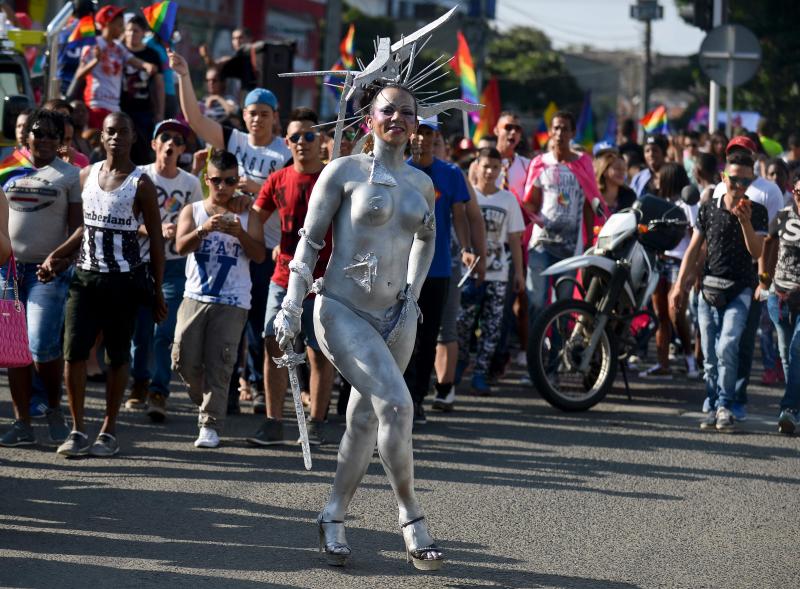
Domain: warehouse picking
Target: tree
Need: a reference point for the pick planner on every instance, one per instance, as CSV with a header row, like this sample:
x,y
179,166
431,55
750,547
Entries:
x,y
530,72
774,90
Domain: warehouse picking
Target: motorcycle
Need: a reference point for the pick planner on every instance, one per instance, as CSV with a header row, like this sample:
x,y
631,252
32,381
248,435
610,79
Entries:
x,y
576,345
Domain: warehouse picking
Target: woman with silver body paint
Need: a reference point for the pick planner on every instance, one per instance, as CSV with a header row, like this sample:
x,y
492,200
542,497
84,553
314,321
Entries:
x,y
365,315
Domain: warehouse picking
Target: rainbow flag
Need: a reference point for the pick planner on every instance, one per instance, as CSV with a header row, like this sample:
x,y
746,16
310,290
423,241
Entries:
x,y
543,132
346,61
161,18
15,166
487,119
346,50
655,121
83,30
462,65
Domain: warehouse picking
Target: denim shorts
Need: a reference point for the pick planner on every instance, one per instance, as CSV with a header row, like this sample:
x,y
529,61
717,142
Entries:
x,y
274,300
44,308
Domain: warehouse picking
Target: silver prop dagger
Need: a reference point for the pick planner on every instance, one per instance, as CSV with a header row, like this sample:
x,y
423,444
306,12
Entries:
x,y
291,360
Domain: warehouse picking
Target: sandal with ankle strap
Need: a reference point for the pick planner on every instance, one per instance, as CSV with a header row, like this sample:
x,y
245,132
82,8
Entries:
x,y
336,553
429,558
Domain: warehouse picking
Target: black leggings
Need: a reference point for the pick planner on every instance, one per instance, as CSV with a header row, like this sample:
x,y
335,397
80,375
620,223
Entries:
x,y
431,304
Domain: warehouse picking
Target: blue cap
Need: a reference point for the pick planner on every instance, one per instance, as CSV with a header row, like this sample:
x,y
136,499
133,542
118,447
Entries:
x,y
601,145
432,122
261,96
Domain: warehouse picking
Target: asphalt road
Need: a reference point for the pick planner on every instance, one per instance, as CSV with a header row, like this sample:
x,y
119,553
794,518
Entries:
x,y
630,494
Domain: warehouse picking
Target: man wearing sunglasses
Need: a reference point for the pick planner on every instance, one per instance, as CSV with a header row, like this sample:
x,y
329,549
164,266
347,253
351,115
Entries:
x,y
174,189
733,227
216,299
288,191
769,195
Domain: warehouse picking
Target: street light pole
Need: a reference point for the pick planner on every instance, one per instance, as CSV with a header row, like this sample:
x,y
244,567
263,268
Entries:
x,y
713,89
646,11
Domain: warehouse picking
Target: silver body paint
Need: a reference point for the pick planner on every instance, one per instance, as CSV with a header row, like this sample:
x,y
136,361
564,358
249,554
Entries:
x,y
383,246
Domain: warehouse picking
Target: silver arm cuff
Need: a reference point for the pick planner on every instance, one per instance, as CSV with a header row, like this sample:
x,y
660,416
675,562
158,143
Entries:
x,y
304,234
291,308
301,268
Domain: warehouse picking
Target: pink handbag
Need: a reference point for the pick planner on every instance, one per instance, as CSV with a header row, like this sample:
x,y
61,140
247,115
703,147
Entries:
x,y
14,349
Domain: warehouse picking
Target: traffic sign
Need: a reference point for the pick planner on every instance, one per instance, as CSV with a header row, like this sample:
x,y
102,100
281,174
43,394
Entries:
x,y
730,55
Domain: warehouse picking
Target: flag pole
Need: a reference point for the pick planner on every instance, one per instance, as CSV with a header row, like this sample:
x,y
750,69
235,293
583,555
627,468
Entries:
x,y
465,123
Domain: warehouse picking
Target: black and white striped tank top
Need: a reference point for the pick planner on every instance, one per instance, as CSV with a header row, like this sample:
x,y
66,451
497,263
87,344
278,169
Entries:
x,y
110,242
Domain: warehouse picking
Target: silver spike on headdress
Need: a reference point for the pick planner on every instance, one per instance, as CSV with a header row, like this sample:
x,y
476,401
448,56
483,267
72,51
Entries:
x,y
393,63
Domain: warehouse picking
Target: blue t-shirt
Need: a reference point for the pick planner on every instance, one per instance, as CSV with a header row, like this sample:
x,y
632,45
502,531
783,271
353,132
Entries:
x,y
450,188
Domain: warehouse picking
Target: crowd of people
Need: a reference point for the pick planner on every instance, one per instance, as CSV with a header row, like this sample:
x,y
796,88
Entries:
x,y
163,232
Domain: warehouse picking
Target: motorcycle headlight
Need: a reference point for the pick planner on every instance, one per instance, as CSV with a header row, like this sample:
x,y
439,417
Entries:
x,y
603,242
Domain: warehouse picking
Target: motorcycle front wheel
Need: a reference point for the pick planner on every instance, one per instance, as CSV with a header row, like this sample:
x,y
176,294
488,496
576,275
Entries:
x,y
558,339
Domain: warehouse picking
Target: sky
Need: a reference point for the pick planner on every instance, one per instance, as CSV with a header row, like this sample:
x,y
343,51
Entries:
x,y
604,24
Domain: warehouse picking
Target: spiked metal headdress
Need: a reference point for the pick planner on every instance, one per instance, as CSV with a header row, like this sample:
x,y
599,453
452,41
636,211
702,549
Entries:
x,y
393,63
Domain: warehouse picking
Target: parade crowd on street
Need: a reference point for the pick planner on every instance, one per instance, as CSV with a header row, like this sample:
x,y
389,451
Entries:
x,y
156,231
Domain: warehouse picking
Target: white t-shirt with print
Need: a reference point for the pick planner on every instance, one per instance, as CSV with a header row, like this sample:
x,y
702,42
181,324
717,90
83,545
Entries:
x,y
257,162
172,194
562,210
104,82
501,216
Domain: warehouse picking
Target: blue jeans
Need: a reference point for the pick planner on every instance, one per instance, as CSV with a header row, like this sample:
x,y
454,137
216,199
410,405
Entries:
x,y
538,286
151,347
747,347
769,347
44,309
721,332
787,325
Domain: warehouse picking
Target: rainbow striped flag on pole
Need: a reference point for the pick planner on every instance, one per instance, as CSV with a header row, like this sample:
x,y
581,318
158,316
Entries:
x,y
15,166
346,61
161,18
487,119
655,121
346,50
462,65
83,30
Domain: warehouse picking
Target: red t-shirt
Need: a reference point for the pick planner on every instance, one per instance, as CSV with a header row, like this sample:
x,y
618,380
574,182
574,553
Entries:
x,y
288,191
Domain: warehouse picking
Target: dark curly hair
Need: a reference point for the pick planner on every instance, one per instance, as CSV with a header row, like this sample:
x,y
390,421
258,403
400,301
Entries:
x,y
43,116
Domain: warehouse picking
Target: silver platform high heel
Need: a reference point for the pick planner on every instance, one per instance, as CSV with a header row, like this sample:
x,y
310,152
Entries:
x,y
336,553
428,558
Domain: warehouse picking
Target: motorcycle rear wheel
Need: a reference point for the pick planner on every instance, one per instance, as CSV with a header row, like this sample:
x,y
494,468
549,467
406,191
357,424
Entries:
x,y
557,339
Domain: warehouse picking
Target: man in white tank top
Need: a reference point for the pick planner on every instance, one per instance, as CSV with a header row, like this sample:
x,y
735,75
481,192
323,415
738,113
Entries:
x,y
111,280
220,246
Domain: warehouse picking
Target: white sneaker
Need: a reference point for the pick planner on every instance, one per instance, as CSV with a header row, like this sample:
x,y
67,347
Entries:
x,y
521,359
208,438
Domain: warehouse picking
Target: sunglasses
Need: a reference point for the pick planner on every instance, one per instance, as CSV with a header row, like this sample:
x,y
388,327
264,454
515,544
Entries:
x,y
511,127
176,139
40,133
229,181
309,136
739,181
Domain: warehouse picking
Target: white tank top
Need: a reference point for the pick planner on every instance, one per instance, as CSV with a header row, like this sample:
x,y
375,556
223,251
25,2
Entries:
x,y
110,241
218,271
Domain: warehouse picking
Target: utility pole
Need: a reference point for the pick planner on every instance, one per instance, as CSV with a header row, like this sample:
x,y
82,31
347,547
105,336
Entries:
x,y
330,53
646,11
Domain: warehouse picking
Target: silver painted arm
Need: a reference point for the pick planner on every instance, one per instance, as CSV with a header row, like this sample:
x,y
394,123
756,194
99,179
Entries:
x,y
322,206
421,256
